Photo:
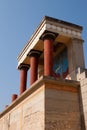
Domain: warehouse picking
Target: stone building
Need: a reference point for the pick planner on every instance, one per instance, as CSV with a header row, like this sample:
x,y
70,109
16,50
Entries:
x,y
56,98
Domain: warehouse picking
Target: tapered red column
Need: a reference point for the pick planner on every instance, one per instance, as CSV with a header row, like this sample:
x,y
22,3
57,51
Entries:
x,y
23,77
48,39
48,57
14,96
34,55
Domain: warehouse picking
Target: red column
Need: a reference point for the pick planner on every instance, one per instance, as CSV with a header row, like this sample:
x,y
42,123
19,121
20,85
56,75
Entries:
x,y
14,96
23,77
34,55
48,39
48,57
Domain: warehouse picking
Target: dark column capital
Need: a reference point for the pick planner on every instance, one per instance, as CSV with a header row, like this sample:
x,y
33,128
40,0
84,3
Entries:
x,y
34,53
48,35
24,66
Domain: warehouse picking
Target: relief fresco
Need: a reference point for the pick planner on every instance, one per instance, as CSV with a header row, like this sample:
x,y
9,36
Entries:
x,y
60,67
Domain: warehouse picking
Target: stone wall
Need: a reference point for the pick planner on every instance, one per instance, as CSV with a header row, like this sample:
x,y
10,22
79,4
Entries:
x,y
62,109
75,50
50,104
27,115
84,98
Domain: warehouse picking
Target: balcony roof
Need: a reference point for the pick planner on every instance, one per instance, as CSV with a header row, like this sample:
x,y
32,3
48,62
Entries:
x,y
65,30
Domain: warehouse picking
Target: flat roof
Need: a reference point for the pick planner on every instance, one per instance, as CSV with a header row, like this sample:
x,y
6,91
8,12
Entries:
x,y
62,22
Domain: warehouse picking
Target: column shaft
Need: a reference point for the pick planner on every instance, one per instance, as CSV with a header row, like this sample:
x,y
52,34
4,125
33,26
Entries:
x,y
14,96
34,57
48,38
23,79
48,57
33,69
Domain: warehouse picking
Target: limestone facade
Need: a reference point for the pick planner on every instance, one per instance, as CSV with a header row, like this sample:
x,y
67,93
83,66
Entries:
x,y
48,104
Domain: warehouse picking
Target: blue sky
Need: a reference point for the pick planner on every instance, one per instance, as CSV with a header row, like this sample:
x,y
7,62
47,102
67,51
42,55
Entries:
x,y
18,20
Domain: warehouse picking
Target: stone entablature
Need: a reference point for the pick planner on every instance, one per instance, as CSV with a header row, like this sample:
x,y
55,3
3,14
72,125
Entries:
x,y
63,29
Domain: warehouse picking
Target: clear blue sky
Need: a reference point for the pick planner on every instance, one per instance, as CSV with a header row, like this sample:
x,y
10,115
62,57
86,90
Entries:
x,y
18,20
